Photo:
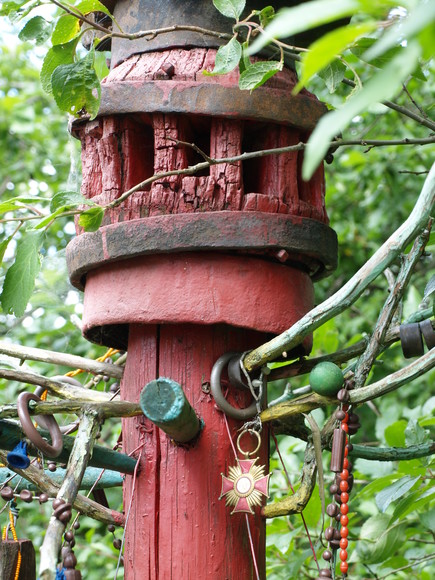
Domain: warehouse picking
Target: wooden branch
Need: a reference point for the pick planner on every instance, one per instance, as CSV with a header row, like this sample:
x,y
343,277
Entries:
x,y
295,504
107,409
351,291
82,504
393,453
395,380
304,366
81,452
376,342
59,388
59,358
303,404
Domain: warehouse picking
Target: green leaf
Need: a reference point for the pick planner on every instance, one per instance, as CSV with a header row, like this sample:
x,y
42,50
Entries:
x,y
420,17
88,6
3,247
49,218
413,502
8,7
20,278
414,434
333,74
76,87
290,21
380,87
90,220
67,199
227,58
395,433
230,8
266,16
67,28
377,541
61,54
257,74
100,65
328,47
37,28
394,491
360,50
430,288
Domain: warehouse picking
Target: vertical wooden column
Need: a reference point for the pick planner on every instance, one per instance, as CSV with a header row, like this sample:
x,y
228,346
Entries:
x,y
177,527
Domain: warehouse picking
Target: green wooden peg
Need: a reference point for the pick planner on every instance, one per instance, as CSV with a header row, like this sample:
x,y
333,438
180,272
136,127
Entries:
x,y
164,403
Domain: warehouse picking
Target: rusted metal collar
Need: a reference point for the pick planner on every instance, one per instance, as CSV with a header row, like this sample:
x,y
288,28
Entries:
x,y
52,451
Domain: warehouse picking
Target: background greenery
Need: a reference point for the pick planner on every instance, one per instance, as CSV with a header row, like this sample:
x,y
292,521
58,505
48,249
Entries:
x,y
369,193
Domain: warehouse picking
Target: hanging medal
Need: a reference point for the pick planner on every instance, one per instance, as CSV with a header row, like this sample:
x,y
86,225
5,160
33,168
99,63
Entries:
x,y
246,482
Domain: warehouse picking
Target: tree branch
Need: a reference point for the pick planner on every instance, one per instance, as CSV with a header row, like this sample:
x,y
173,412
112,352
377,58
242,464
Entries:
x,y
59,388
376,342
81,452
107,409
59,358
351,291
393,453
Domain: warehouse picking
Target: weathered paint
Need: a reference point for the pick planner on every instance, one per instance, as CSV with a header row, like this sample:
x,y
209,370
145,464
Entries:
x,y
177,526
164,403
197,288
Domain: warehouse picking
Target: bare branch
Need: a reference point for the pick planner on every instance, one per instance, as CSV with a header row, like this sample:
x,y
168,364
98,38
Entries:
x,y
59,358
351,291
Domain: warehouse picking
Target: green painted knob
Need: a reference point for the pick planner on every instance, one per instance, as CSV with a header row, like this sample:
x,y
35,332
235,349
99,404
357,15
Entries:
x,y
326,379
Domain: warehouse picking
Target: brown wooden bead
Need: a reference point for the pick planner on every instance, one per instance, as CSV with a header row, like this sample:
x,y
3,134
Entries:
x,y
349,448
76,525
337,451
350,482
43,498
338,517
337,498
343,396
69,536
327,555
340,414
329,533
111,528
334,544
58,502
333,489
65,516
337,535
117,544
70,561
332,510
51,466
325,573
7,493
26,495
352,428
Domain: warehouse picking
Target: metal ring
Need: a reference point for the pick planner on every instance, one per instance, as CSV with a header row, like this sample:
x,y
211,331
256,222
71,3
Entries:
x,y
40,419
411,340
216,391
428,333
52,451
253,432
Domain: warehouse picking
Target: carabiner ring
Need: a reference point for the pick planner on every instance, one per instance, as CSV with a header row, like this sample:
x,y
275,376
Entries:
x,y
216,391
52,451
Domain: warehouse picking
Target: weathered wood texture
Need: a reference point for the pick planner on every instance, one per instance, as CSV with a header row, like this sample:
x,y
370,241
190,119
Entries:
x,y
177,527
8,559
122,150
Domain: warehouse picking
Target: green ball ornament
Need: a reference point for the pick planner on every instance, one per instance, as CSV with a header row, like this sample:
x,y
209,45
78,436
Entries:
x,y
326,379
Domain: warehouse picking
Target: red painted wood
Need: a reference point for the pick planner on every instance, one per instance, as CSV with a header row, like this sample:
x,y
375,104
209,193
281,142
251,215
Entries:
x,y
177,527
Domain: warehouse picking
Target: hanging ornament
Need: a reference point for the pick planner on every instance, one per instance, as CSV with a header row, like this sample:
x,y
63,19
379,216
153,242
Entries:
x,y
246,482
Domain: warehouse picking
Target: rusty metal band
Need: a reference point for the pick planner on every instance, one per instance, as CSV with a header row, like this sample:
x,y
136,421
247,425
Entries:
x,y
310,244
271,105
52,451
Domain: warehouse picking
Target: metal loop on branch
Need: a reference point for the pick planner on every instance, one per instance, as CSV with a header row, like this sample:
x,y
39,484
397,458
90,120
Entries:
x,y
411,338
41,419
29,429
216,391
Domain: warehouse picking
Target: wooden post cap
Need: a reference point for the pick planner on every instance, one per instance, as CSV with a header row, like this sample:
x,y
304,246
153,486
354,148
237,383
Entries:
x,y
164,403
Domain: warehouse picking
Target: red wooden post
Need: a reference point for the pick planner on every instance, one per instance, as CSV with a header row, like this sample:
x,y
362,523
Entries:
x,y
193,267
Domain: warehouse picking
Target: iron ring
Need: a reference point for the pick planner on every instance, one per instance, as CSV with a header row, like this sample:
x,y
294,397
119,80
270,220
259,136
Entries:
x,y
411,340
216,391
40,419
52,451
428,332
